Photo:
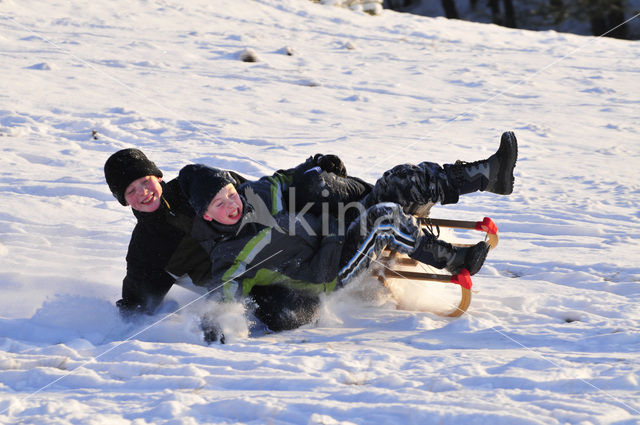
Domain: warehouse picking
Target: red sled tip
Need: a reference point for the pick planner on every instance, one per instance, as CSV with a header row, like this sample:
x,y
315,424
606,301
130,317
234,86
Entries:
x,y
463,279
488,226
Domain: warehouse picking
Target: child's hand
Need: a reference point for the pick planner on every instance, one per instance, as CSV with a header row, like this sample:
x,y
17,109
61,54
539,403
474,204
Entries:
x,y
331,164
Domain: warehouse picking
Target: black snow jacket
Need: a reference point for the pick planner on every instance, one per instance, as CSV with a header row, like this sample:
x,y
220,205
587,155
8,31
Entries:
x,y
271,244
160,248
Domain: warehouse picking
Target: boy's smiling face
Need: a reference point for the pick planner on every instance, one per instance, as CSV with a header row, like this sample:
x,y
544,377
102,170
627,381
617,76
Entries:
x,y
144,194
225,207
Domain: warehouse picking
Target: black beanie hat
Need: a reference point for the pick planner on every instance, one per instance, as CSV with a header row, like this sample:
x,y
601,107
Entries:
x,y
201,184
125,166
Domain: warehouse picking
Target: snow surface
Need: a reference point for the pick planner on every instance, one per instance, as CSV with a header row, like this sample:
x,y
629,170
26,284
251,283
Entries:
x,y
553,332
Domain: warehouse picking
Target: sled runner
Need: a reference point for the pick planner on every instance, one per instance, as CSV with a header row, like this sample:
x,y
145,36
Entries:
x,y
399,266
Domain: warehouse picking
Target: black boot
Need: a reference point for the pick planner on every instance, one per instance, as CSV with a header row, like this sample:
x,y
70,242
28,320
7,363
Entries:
x,y
494,174
442,255
470,258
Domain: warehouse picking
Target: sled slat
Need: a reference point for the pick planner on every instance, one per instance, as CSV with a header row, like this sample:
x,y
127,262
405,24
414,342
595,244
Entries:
x,y
486,225
396,274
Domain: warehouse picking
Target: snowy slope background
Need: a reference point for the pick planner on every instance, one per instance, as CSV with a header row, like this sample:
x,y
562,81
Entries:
x,y
553,333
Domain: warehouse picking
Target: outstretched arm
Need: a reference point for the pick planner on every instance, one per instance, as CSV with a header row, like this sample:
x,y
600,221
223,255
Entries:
x,y
143,296
320,162
146,282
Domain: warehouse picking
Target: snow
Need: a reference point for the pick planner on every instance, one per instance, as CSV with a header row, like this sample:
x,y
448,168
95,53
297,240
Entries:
x,y
552,335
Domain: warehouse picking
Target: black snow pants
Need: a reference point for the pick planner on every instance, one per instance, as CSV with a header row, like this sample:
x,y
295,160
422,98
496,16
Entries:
x,y
382,225
407,185
411,186
281,308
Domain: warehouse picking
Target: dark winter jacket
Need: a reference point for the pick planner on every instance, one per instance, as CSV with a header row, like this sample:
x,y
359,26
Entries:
x,y
271,244
161,246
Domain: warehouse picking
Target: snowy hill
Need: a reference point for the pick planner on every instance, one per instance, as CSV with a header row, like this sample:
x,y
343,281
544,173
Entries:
x,y
553,333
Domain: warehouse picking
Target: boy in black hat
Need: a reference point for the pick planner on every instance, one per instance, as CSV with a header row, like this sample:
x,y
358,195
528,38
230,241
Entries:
x,y
258,245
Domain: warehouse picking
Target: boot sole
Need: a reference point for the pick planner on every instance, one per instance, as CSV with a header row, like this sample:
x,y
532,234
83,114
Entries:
x,y
508,153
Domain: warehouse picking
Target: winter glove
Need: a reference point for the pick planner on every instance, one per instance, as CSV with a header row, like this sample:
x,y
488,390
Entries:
x,y
211,331
128,311
330,164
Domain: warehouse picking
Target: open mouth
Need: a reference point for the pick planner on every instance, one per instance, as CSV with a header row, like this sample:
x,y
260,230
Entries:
x,y
148,200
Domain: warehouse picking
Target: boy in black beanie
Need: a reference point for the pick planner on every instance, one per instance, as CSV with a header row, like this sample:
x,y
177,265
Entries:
x,y
160,247
259,237
255,242
126,167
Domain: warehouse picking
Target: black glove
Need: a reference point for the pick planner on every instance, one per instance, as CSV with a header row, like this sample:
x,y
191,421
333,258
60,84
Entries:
x,y
330,164
128,311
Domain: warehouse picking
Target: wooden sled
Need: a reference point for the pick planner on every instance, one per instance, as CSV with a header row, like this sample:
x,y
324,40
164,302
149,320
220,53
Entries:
x,y
394,265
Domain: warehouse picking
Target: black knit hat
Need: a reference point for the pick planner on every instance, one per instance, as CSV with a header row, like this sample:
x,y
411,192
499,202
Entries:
x,y
201,184
125,166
